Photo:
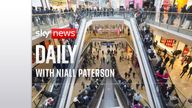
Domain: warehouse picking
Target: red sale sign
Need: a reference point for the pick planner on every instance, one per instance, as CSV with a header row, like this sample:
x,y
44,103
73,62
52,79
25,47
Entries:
x,y
63,33
169,42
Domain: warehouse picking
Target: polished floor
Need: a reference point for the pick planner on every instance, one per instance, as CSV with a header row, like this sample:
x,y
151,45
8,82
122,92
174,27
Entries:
x,y
183,85
123,67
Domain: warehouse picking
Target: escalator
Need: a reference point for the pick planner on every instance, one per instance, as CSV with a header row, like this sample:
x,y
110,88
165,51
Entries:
x,y
112,94
109,96
151,87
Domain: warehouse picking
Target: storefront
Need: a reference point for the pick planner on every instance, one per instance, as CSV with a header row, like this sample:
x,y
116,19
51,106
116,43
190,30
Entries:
x,y
58,5
133,4
178,3
171,45
147,3
189,3
45,43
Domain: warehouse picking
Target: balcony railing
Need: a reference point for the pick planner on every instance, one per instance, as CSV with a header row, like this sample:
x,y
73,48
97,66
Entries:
x,y
44,22
180,22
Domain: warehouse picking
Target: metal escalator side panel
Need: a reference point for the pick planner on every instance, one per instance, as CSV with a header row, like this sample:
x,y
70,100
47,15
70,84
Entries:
x,y
97,99
64,101
144,65
80,41
124,101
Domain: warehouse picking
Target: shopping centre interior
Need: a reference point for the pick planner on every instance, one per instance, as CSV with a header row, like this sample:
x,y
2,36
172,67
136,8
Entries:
x,y
150,50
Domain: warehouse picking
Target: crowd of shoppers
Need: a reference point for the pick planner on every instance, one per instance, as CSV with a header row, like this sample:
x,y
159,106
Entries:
x,y
84,98
185,16
133,96
160,70
49,98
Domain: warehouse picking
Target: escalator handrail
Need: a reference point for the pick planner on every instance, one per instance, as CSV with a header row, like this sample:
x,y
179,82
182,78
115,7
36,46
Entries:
x,y
152,71
124,95
95,100
177,90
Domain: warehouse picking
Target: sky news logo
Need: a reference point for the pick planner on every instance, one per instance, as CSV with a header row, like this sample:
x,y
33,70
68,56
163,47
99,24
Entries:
x,y
58,33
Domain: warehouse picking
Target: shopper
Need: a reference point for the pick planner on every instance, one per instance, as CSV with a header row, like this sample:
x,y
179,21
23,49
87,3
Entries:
x,y
183,60
137,98
164,89
166,61
189,17
172,61
120,58
142,85
174,14
138,105
190,73
170,90
165,52
133,74
177,52
169,15
183,14
76,102
137,85
83,84
126,75
161,13
155,44
103,59
130,81
165,77
185,68
97,56
158,65
130,70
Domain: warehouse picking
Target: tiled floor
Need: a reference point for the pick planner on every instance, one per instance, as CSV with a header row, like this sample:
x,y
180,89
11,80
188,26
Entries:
x,y
183,85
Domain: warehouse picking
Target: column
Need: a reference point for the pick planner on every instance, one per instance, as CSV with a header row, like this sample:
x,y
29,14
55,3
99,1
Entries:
x,y
47,4
126,3
68,4
77,3
43,3
158,4
110,3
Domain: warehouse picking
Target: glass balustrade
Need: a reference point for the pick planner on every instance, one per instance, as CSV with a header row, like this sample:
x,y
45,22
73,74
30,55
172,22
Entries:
x,y
180,22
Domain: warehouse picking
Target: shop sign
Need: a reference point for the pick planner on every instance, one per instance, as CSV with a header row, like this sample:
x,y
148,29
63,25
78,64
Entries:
x,y
169,42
